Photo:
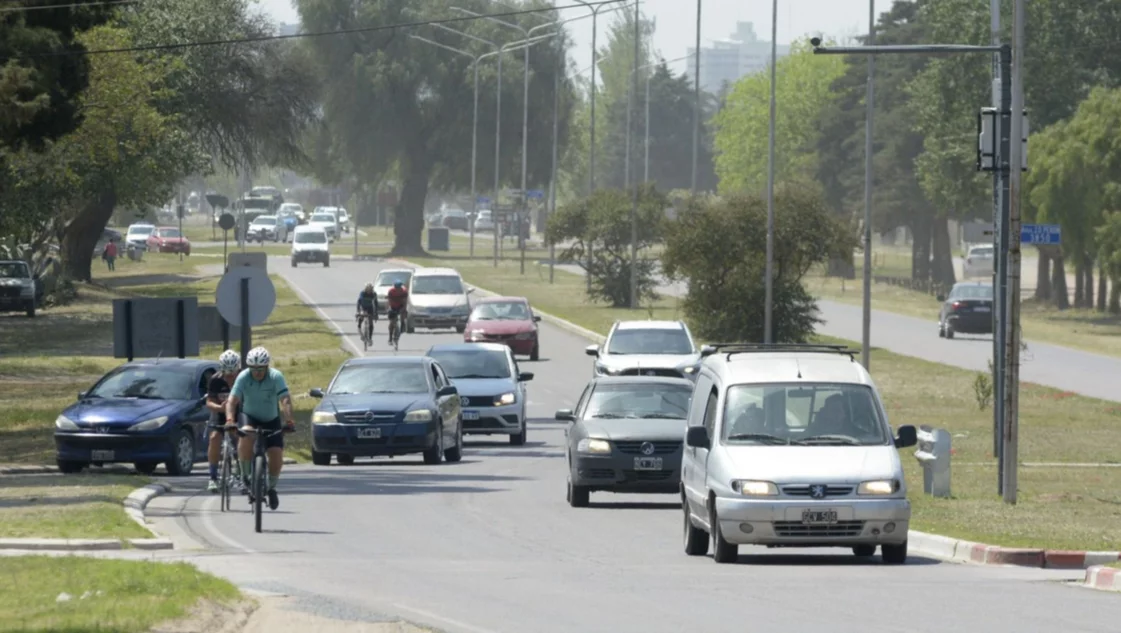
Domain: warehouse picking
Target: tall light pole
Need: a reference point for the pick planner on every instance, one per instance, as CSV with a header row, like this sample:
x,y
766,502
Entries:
x,y
869,107
769,281
697,98
634,196
646,132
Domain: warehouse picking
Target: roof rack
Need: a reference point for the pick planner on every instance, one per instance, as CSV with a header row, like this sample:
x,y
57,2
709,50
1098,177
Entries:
x,y
762,348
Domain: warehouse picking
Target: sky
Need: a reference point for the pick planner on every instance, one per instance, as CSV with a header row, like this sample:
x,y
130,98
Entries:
x,y
676,22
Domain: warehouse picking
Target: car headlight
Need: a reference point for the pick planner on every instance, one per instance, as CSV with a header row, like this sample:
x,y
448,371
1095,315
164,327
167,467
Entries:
x,y
477,335
609,371
524,336
751,488
149,425
64,423
593,446
324,417
878,487
461,310
419,415
506,398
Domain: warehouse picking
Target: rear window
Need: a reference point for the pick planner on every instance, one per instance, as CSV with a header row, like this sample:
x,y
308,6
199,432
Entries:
x,y
972,292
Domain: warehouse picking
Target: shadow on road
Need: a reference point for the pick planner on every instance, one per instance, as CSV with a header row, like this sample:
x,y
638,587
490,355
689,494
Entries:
x,y
818,560
635,505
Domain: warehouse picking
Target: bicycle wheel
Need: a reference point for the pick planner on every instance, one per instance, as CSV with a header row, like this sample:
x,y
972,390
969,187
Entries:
x,y
259,478
224,482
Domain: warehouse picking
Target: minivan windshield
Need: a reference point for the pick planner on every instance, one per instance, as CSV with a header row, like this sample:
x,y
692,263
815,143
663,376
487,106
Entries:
x,y
322,217
650,341
819,414
311,237
437,285
472,363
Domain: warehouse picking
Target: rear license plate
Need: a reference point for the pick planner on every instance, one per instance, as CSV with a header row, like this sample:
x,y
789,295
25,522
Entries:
x,y
819,517
470,415
103,456
647,463
369,434
981,309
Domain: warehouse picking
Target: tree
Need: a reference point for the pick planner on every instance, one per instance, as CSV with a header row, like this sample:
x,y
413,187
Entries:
x,y
1109,240
603,222
804,91
672,105
719,245
391,100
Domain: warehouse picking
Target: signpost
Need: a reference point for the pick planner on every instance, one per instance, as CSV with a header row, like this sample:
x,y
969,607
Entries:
x,y
155,327
226,222
1041,234
245,297
179,211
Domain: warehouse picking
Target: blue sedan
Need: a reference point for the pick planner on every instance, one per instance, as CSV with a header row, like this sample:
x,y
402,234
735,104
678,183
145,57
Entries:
x,y
144,412
387,406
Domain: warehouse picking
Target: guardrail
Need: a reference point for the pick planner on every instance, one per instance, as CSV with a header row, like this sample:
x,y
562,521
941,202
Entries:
x,y
933,454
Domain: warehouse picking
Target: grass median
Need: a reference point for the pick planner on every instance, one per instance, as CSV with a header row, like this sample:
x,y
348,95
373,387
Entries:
x,y
68,506
41,594
1067,507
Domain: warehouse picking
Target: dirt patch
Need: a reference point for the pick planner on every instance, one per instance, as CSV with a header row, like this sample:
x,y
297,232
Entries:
x,y
209,616
274,616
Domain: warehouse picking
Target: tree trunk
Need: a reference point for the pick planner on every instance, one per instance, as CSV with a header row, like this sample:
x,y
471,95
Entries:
x,y
1102,288
1114,297
1059,293
80,236
1088,285
1079,283
920,248
1043,277
408,221
943,260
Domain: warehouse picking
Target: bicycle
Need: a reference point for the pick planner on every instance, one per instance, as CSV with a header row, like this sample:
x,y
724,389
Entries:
x,y
395,330
259,477
366,330
226,479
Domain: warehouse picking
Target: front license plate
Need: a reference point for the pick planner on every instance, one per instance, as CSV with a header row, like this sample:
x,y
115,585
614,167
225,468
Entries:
x,y
103,456
470,415
819,517
981,309
369,434
647,463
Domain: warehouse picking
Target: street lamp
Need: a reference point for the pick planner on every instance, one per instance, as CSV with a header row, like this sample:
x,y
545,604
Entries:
x,y
646,133
769,281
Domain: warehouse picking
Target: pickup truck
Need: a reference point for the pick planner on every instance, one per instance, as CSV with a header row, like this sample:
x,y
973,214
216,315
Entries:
x,y
20,291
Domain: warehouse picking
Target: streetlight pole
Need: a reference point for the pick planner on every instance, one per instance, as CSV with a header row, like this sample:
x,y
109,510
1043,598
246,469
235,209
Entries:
x,y
634,198
697,97
869,107
561,55
646,141
769,282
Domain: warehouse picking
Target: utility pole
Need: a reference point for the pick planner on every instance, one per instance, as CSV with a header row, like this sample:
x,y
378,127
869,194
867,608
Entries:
x,y
697,98
869,107
999,230
769,281
634,195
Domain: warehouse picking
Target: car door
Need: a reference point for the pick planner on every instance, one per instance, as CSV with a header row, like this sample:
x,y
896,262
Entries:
x,y
694,463
574,431
447,405
522,391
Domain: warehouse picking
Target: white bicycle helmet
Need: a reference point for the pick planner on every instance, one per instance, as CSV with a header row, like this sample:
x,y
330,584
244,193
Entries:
x,y
257,357
229,361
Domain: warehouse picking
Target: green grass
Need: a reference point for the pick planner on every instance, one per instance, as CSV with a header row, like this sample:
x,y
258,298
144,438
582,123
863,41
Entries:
x,y
1116,565
105,595
68,506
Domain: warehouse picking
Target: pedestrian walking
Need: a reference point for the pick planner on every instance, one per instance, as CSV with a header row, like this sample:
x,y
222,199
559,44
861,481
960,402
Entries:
x,y
110,254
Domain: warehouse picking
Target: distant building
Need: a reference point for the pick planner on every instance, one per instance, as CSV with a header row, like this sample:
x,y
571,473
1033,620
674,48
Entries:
x,y
731,59
289,29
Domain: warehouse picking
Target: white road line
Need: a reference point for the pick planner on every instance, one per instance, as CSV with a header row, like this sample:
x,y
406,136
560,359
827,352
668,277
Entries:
x,y
438,618
323,315
207,511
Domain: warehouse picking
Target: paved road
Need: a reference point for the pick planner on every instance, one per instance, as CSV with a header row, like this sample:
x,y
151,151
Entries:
x,y
489,545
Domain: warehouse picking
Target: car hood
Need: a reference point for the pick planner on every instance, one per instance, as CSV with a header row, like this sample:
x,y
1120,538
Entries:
x,y
172,239
120,411
484,386
670,361
310,246
395,402
654,429
437,301
811,464
504,326
15,282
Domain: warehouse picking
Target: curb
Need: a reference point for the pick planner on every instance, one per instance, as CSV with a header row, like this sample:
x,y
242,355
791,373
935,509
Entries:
x,y
51,470
1103,578
961,551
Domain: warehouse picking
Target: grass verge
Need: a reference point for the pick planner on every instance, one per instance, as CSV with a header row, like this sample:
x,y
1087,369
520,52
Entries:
x,y
1059,507
68,506
104,595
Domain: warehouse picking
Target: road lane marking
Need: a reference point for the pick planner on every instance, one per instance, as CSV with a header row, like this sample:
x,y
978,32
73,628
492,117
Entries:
x,y
208,506
439,618
323,315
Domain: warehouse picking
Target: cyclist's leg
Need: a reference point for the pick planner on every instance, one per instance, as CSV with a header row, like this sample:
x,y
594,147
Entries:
x,y
214,452
245,447
274,446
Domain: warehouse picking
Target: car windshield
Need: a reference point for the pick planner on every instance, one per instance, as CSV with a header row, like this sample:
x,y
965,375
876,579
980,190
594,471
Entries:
x,y
265,219
982,251
501,311
169,233
322,217
638,400
13,270
140,230
806,414
290,207
390,378
472,363
437,285
311,237
392,277
972,292
149,383
650,341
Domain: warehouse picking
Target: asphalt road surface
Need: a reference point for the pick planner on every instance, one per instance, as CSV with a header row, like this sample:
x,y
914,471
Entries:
x,y
489,545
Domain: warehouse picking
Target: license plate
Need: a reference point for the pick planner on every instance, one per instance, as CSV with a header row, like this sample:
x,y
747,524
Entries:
x,y
819,517
103,456
470,415
981,309
369,434
647,463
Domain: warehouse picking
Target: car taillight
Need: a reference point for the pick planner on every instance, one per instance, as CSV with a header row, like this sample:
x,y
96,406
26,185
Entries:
x,y
957,304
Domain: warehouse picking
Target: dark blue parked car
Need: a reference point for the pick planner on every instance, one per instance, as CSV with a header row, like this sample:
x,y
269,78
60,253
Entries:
x,y
387,406
144,412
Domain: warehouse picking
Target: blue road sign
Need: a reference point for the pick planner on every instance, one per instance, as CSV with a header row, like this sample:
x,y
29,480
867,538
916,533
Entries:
x,y
482,200
535,194
1041,234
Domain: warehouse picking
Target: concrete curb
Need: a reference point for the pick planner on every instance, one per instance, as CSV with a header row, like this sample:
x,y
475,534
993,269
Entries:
x,y
1103,578
980,554
50,470
138,499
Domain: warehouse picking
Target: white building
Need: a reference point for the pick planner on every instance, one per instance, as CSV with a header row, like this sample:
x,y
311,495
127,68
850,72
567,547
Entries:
x,y
731,59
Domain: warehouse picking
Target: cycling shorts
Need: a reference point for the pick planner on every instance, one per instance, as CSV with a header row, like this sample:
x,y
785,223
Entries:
x,y
272,441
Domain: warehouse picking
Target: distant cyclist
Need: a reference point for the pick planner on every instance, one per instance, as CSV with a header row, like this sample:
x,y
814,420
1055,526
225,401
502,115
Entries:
x,y
367,306
397,300
216,393
263,395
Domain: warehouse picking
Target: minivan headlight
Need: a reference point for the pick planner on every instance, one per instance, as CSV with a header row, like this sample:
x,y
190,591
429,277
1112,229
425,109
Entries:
x,y
593,446
506,398
149,425
64,423
752,488
878,487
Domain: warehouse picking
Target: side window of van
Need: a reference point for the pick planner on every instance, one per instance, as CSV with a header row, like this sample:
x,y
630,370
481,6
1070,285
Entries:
x,y
710,412
698,402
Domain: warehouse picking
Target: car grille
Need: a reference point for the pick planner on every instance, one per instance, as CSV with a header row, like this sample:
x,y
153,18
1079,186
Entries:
x,y
635,448
651,371
477,401
359,417
9,291
804,491
647,475
597,473
796,529
498,337
437,310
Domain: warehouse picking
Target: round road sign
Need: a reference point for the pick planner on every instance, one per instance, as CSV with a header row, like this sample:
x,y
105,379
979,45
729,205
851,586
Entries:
x,y
262,295
226,221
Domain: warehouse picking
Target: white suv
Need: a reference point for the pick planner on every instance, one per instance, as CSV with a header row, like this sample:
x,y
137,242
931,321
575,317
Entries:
x,y
311,245
790,446
438,299
646,348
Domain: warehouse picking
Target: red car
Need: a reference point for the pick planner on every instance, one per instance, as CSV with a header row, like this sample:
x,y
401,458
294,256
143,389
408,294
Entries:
x,y
168,239
508,320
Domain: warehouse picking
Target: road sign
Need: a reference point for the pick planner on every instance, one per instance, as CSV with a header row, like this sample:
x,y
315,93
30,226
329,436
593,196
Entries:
x,y
482,200
1041,234
226,221
155,327
535,194
262,295
218,201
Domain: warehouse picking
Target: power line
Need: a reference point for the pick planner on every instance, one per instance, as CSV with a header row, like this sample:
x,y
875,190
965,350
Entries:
x,y
271,38
72,5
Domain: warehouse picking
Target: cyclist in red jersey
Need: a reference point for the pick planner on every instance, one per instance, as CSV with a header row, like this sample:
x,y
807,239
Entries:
x,y
397,300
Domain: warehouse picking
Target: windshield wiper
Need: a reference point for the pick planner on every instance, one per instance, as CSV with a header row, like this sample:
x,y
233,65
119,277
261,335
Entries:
x,y
765,438
139,397
613,416
476,376
663,416
830,439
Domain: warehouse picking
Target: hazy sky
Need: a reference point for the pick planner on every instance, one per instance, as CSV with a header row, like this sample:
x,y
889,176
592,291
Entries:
x,y
676,21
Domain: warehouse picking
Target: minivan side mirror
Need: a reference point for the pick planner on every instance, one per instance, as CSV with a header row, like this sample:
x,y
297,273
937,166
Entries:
x,y
316,393
908,436
941,298
565,415
592,350
697,437
525,376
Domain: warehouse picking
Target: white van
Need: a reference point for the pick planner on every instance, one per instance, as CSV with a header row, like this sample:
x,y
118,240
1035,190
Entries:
x,y
310,244
438,299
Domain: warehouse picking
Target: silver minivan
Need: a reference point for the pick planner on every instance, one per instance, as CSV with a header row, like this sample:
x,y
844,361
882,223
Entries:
x,y
790,446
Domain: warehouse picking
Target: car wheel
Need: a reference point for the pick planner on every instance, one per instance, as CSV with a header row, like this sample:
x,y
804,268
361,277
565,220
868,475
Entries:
x,y
30,310
578,496
435,454
894,554
460,329
722,551
949,331
327,263
455,453
410,329
696,539
70,467
146,468
320,459
864,551
518,439
182,454
345,460
941,330
536,353
293,262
